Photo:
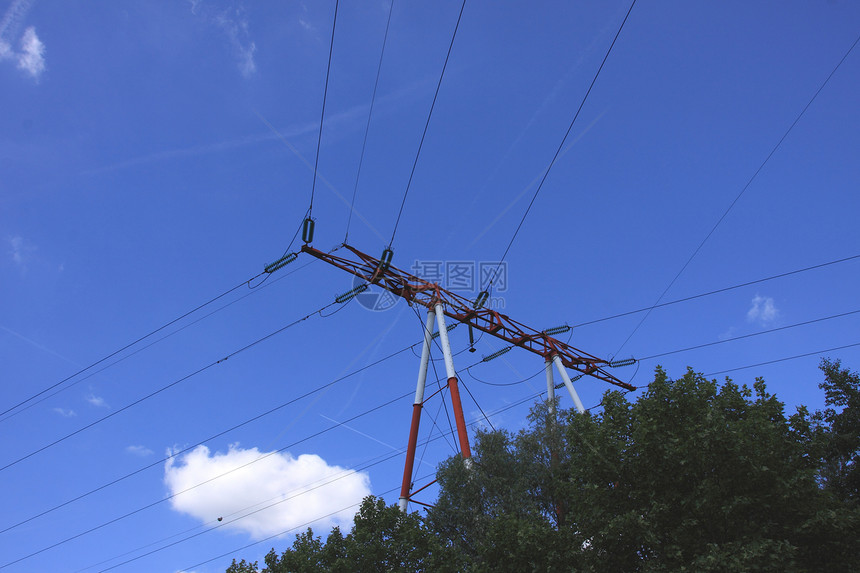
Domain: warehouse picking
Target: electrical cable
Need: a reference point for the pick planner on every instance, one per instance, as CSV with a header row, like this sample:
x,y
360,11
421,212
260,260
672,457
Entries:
x,y
163,388
561,145
743,190
208,439
154,342
127,346
785,359
748,335
463,382
173,495
426,124
367,127
322,113
725,289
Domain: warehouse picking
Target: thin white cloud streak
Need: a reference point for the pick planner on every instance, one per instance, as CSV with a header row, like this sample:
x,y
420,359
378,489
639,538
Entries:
x,y
141,451
277,476
13,18
65,413
37,345
334,121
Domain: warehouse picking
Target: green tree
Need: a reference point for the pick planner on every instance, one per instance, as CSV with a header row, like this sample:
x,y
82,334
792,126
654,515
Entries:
x,y
841,430
693,476
383,538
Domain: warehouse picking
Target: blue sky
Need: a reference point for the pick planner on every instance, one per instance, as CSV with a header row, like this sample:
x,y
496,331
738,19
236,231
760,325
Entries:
x,y
153,156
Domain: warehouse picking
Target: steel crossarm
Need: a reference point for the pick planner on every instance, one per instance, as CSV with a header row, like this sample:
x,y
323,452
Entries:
x,y
416,290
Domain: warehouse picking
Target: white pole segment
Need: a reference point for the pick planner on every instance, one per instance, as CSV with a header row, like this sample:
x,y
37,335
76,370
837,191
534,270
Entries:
x,y
550,386
425,356
446,345
564,376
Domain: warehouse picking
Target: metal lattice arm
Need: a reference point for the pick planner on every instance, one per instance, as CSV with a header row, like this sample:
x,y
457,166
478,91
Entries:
x,y
419,291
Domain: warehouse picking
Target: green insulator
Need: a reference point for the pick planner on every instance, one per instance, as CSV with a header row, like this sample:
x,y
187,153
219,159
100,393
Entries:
x,y
385,260
496,354
574,379
620,363
352,293
448,328
557,330
308,230
482,298
281,263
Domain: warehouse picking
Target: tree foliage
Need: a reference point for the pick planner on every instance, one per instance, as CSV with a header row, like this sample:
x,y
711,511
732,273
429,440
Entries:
x,y
692,476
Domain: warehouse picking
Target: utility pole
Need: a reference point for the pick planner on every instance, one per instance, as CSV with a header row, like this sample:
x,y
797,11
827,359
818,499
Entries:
x,y
442,303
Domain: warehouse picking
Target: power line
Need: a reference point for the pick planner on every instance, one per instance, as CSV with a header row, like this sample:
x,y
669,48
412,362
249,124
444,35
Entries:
x,y
749,335
255,289
471,423
785,359
127,346
163,388
369,115
743,190
210,438
725,289
167,498
561,145
322,113
426,124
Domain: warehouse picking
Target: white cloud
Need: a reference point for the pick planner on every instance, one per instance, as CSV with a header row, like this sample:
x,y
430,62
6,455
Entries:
x,y
236,28
762,310
141,451
234,24
32,56
306,487
19,249
97,401
65,413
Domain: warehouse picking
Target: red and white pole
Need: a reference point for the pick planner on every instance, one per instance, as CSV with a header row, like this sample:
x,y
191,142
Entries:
x,y
416,413
564,376
465,450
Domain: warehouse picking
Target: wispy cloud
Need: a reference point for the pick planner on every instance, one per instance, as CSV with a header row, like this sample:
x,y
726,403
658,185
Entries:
x,y
233,22
97,401
141,451
19,250
35,344
30,57
65,413
762,310
276,493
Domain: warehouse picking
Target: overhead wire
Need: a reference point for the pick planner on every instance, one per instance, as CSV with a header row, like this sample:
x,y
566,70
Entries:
x,y
322,113
369,116
426,125
560,147
777,329
208,439
173,495
164,388
127,346
357,468
796,356
742,191
717,291
156,341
